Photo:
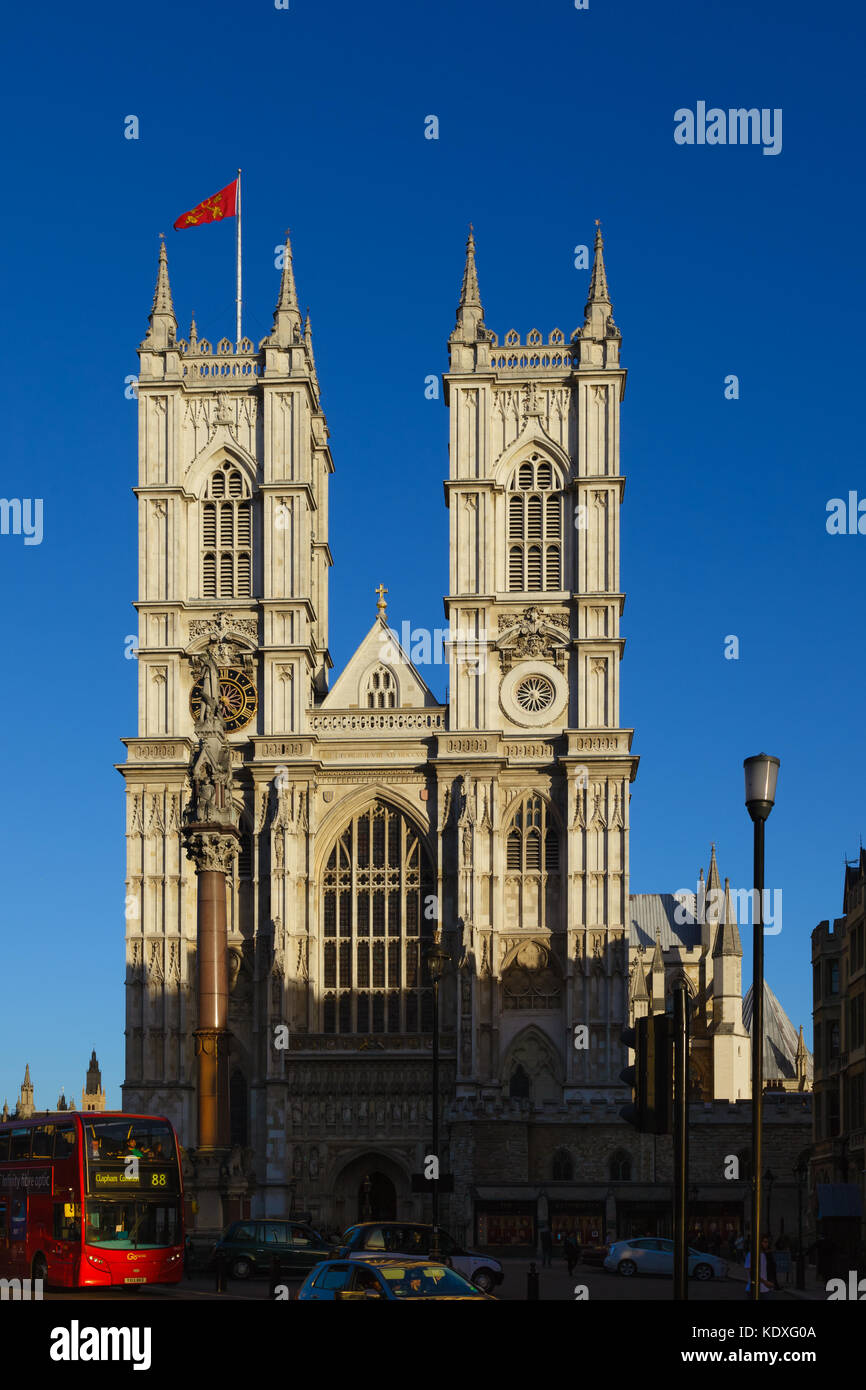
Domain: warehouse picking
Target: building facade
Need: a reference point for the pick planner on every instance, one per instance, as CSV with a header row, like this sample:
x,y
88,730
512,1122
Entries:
x,y
839,999
373,816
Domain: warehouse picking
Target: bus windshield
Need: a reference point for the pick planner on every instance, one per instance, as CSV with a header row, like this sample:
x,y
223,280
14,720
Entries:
x,y
114,1139
131,1225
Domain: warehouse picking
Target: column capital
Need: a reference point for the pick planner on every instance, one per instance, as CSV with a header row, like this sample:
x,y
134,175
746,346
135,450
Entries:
x,y
211,849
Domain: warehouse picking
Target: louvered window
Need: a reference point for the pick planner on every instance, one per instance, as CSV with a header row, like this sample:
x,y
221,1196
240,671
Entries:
x,y
533,568
226,536
532,842
535,521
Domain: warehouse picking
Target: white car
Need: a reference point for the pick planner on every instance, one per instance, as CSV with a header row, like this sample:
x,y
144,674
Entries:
x,y
411,1240
654,1255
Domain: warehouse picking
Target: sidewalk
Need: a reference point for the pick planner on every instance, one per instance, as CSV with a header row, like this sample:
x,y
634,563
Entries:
x,y
815,1290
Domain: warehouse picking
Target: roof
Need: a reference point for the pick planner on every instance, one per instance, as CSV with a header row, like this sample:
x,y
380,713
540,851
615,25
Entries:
x,y
380,648
656,914
780,1038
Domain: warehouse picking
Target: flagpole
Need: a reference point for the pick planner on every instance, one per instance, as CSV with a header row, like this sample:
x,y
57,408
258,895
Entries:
x,y
238,347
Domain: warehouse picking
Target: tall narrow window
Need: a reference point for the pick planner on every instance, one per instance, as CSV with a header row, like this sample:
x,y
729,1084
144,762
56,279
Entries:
x,y
377,883
535,537
226,536
533,839
381,690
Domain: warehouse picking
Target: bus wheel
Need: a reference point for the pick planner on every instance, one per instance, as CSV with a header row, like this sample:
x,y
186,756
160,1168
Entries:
x,y
39,1268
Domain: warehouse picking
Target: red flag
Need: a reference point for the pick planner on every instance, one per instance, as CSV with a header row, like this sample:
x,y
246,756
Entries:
x,y
214,209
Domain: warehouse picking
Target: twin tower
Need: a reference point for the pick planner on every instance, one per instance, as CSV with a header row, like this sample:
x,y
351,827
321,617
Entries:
x,y
371,815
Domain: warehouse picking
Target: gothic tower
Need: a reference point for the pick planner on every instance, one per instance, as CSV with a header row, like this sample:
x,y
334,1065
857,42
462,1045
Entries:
x,y
93,1093
26,1097
540,863
233,556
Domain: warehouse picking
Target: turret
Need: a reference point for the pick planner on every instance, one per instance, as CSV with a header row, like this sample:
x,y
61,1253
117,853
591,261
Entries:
x,y
162,324
599,337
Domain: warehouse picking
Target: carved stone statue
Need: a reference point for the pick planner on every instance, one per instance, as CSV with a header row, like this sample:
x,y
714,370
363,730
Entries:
x,y
211,771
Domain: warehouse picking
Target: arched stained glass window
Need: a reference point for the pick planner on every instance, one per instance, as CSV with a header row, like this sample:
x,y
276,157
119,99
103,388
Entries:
x,y
376,884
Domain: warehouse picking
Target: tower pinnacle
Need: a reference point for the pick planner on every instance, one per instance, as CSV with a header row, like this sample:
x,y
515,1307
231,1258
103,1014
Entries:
x,y
162,324
470,314
598,324
598,292
287,315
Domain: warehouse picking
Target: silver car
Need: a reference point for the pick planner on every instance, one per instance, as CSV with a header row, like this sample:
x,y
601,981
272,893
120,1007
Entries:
x,y
655,1255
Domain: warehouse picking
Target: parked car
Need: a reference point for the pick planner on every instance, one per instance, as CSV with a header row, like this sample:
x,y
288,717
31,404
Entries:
x,y
387,1278
250,1246
411,1240
653,1255
594,1254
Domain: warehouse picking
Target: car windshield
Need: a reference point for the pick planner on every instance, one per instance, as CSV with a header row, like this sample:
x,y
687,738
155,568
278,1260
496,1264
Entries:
x,y
425,1281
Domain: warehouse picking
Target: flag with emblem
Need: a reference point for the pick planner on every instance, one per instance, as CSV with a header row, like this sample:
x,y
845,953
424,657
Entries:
x,y
213,209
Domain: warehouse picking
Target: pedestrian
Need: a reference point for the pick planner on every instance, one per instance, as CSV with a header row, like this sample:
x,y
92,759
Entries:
x,y
572,1251
546,1247
767,1269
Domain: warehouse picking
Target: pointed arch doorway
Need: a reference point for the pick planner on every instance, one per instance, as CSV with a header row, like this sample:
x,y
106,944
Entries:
x,y
377,1197
371,1186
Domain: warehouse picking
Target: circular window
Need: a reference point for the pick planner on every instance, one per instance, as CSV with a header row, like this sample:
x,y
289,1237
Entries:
x,y
534,693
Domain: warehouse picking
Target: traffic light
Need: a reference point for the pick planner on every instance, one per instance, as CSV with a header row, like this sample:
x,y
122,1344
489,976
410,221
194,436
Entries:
x,y
651,1076
635,1076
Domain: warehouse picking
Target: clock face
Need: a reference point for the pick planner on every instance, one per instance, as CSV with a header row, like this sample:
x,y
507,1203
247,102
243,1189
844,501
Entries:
x,y
238,698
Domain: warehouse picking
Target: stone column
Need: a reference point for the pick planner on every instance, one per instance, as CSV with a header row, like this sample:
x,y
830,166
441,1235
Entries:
x,y
212,849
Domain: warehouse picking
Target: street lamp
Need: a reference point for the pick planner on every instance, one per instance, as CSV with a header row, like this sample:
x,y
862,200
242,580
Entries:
x,y
801,1173
769,1179
437,958
761,773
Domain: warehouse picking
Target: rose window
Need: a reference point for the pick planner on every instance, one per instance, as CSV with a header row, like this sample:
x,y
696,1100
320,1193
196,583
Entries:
x,y
534,694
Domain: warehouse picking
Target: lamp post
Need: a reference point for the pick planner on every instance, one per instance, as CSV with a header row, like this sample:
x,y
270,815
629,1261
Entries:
x,y
769,1179
801,1173
761,773
437,958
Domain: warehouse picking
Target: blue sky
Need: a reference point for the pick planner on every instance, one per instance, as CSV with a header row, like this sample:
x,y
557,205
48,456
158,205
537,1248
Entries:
x,y
721,260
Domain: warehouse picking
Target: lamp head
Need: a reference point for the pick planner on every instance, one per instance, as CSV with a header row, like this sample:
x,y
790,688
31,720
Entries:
x,y
437,958
761,773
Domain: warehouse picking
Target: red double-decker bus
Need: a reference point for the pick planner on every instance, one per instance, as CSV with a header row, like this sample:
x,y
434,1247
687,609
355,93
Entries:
x,y
91,1199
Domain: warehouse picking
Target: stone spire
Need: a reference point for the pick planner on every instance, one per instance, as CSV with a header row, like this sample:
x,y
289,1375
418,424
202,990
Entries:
x,y
728,934
657,975
638,992
287,315
598,293
162,324
713,880
598,321
802,1058
470,314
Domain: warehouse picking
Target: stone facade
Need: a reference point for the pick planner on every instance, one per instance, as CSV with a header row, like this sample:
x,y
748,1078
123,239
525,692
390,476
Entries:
x,y
370,814
839,997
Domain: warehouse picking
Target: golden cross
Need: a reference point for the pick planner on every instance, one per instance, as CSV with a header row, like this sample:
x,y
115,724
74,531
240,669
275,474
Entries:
x,y
381,605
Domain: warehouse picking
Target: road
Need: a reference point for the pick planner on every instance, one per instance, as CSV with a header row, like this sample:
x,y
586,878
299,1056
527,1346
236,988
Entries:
x,y
555,1285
